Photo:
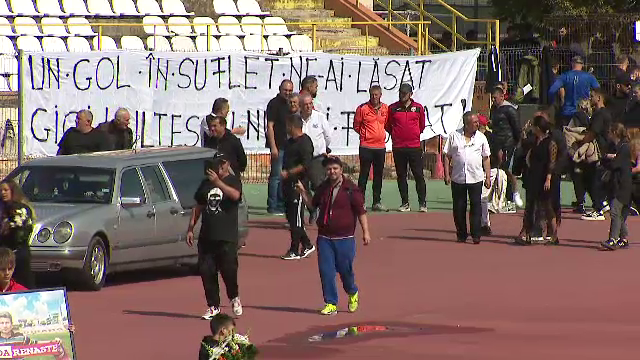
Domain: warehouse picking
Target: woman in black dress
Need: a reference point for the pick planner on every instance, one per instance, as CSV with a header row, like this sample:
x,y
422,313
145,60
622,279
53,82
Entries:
x,y
16,225
543,183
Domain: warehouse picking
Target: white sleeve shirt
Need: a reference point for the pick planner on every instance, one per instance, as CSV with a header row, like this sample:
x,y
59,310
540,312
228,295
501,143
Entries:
x,y
467,157
318,129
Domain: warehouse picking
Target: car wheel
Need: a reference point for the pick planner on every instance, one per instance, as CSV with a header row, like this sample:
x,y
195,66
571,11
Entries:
x,y
95,265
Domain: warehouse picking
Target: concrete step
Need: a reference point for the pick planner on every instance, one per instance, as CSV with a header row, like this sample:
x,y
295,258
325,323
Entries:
x,y
303,13
333,31
271,5
376,50
335,42
328,23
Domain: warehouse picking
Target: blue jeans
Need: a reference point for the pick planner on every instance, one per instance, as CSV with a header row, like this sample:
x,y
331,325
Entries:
x,y
336,255
275,199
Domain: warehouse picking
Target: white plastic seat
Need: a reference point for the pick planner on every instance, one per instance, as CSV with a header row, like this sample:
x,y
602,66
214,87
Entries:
x,y
230,43
229,25
49,7
26,26
154,25
5,27
253,43
80,26
78,44
158,43
104,43
4,9
28,43
174,7
275,25
75,7
201,44
100,7
252,25
200,26
129,42
149,7
250,7
182,44
301,43
180,25
277,42
124,7
6,46
53,44
53,27
24,7
225,7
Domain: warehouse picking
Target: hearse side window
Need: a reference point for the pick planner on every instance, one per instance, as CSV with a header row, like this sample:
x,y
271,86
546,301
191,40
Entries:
x,y
130,185
186,176
156,185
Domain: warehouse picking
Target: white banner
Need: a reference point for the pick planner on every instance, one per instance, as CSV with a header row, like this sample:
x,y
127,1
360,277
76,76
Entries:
x,y
169,93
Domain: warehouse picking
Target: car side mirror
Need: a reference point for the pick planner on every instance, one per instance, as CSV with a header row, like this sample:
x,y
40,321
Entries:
x,y
130,201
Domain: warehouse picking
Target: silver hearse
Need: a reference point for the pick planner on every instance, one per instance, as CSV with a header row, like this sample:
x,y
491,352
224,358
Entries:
x,y
113,211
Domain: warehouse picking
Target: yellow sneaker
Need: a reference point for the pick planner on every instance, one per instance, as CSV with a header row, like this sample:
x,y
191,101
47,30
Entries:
x,y
329,309
353,302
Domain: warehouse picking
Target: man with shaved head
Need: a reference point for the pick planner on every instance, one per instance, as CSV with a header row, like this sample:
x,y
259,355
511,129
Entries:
x,y
118,130
83,138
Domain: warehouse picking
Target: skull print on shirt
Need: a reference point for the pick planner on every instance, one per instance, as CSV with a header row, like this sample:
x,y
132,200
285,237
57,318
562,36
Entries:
x,y
214,197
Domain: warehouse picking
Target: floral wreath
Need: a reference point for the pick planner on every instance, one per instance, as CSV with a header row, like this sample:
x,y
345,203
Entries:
x,y
234,347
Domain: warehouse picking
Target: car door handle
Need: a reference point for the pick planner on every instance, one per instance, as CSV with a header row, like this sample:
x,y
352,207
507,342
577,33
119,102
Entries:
x,y
151,213
174,211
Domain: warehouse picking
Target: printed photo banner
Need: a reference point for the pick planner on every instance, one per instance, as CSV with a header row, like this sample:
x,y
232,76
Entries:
x,y
35,324
168,94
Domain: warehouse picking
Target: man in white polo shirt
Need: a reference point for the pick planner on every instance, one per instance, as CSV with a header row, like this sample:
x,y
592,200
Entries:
x,y
466,168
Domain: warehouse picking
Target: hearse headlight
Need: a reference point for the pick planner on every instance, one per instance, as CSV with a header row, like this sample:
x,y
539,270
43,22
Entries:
x,y
62,232
43,235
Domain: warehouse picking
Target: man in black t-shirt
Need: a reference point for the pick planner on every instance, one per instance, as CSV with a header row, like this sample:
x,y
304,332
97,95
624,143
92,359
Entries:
x,y
83,138
297,157
217,200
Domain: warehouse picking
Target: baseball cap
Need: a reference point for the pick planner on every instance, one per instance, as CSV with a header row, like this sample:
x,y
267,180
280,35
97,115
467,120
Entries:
x,y
216,161
406,88
623,79
330,160
577,60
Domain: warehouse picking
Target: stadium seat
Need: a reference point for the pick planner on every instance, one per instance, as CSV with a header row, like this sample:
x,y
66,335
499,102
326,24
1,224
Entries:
x,y
75,7
100,7
49,7
149,7
200,26
182,44
229,25
6,46
225,7
252,25
154,25
180,25
277,42
53,44
4,9
250,7
174,7
5,27
104,43
275,25
26,26
129,42
201,44
158,43
28,43
24,8
78,44
80,26
53,27
253,43
301,43
124,7
230,43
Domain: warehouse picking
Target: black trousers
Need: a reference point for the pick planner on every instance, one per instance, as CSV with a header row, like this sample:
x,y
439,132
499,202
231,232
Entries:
x,y
593,178
218,257
294,210
403,159
578,179
459,194
369,157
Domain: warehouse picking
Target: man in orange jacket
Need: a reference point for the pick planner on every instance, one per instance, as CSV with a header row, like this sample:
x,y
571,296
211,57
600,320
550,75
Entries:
x,y
370,122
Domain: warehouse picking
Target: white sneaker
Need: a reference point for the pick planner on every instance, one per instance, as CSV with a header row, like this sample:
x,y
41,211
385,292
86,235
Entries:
x,y
307,252
518,200
210,313
594,216
236,306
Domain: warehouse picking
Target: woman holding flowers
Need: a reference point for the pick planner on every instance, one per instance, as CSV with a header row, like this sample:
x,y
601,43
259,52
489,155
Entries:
x,y
16,225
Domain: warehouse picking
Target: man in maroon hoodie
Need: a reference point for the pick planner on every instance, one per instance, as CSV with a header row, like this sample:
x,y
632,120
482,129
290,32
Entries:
x,y
405,124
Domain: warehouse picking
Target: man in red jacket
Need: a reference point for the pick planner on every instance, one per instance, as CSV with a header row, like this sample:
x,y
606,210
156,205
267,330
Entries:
x,y
405,124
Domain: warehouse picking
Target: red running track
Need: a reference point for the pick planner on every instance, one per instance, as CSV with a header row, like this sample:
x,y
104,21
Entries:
x,y
443,300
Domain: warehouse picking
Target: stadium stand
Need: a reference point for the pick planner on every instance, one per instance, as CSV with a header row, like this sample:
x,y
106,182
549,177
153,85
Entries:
x,y
131,42
80,27
230,43
225,7
53,44
78,44
26,26
74,7
200,26
158,43
250,7
24,8
28,43
49,7
202,46
99,7
53,27
182,44
180,25
104,43
149,7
